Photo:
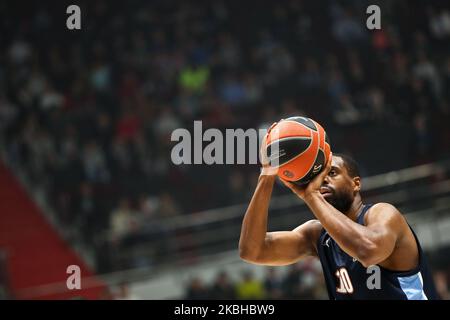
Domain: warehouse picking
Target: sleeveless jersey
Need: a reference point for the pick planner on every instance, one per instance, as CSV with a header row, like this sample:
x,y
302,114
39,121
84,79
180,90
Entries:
x,y
347,279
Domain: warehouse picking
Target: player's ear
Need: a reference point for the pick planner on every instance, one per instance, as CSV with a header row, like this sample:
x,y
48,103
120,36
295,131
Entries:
x,y
357,184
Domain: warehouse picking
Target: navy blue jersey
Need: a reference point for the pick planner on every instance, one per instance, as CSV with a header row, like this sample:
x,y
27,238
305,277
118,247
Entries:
x,y
347,279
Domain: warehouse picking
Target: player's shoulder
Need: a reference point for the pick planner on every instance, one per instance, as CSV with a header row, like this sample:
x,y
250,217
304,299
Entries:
x,y
314,229
310,226
311,229
383,211
314,224
383,207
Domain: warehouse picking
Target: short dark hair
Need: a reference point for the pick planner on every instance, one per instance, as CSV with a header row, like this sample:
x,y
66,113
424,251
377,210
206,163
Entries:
x,y
350,164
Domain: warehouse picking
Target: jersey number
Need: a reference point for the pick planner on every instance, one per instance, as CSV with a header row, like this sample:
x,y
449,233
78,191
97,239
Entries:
x,y
345,284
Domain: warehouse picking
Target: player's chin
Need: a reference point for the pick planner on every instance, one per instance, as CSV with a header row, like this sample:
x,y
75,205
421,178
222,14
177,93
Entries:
x,y
327,195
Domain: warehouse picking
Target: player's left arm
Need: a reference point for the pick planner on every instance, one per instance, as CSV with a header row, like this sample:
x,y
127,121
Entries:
x,y
370,244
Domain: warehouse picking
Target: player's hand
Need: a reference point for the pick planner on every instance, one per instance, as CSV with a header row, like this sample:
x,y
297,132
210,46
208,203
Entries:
x,y
266,169
313,187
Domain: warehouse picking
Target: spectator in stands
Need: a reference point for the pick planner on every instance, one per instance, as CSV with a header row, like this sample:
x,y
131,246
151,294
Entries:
x,y
238,189
273,284
320,290
124,293
442,286
439,23
123,220
425,70
346,27
194,77
148,206
292,282
308,282
250,287
422,139
167,206
222,287
106,294
128,126
94,163
311,77
88,212
196,290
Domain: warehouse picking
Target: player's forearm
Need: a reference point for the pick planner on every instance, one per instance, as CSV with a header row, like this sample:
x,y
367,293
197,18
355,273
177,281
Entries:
x,y
254,225
351,236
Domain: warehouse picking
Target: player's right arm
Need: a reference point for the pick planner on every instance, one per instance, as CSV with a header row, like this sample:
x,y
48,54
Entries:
x,y
258,246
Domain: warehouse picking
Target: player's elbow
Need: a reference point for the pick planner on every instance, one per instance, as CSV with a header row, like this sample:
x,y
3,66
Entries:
x,y
248,258
251,254
247,252
248,255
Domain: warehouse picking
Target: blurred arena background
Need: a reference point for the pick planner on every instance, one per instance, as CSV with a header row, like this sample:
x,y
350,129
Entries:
x,y
86,117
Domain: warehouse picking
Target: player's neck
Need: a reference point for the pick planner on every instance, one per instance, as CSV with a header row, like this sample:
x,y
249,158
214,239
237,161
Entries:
x,y
355,208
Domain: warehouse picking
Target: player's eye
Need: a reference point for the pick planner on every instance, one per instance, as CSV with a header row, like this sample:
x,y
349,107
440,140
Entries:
x,y
332,173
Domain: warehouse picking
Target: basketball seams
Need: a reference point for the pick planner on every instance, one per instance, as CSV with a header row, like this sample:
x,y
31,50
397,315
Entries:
x,y
313,162
312,129
323,151
290,138
302,124
325,137
290,160
294,135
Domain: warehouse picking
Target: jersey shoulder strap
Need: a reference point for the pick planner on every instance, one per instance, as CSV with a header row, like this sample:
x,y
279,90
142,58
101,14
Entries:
x,y
361,216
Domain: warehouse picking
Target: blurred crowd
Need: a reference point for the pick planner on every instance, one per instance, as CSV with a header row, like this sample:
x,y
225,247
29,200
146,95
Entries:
x,y
303,280
87,115
299,281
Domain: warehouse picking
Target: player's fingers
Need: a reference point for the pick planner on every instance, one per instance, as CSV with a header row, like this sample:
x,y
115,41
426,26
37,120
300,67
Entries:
x,y
263,153
263,149
316,182
329,160
327,168
267,170
327,165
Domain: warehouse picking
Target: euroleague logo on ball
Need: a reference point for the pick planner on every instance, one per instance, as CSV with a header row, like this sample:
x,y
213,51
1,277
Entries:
x,y
317,168
288,173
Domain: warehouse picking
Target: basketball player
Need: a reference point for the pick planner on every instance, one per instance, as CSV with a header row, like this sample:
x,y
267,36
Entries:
x,y
348,236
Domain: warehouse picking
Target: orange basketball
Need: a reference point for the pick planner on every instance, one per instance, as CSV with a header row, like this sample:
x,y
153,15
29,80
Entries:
x,y
300,147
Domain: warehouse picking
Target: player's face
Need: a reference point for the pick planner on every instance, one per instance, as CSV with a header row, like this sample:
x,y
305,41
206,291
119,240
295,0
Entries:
x,y
338,187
